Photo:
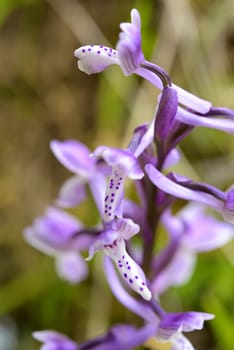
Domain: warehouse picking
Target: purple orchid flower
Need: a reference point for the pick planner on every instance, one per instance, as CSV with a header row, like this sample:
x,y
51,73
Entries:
x,y
56,234
123,163
129,56
167,327
75,156
116,230
187,238
184,188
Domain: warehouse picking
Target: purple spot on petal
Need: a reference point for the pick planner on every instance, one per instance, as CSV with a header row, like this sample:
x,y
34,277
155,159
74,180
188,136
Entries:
x,y
141,289
129,267
130,280
136,277
125,275
143,283
120,265
123,257
98,52
83,50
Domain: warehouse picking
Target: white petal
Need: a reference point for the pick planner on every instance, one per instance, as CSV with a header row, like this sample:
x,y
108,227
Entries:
x,y
180,342
128,269
95,58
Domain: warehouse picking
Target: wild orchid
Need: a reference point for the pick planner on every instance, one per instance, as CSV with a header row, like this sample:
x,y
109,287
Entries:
x,y
143,275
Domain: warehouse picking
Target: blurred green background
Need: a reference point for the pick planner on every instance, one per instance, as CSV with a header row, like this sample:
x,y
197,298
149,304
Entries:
x,y
43,96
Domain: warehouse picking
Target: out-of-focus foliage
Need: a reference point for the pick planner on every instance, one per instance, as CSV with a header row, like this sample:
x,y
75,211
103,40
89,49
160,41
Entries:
x,y
43,96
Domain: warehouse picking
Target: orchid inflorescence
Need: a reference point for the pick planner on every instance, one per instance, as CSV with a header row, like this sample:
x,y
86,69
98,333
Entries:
x,y
142,276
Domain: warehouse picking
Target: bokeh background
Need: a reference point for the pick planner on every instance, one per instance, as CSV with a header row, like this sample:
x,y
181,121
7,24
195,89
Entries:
x,y
43,96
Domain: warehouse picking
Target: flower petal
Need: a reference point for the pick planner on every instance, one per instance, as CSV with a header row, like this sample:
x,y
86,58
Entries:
x,y
172,158
127,228
178,271
74,156
208,235
95,58
71,267
142,310
190,118
97,186
180,342
123,159
186,321
54,341
72,192
176,190
53,231
128,268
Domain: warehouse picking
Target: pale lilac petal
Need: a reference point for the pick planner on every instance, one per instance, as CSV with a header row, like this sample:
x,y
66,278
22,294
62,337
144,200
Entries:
x,y
209,234
178,271
129,45
134,211
54,341
125,160
121,337
127,228
72,192
190,118
150,76
71,267
172,188
74,155
172,158
32,237
95,58
136,18
180,342
127,337
187,99
53,231
97,186
185,321
124,297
